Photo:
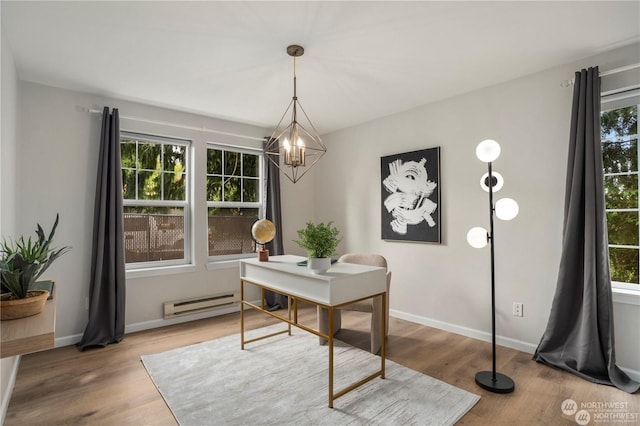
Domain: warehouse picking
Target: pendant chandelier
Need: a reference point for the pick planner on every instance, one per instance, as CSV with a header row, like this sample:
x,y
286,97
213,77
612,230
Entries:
x,y
295,145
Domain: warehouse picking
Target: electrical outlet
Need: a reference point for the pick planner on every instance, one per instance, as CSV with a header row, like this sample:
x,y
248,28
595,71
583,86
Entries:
x,y
518,309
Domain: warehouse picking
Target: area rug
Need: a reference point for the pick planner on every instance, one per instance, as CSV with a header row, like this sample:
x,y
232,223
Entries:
x,y
283,380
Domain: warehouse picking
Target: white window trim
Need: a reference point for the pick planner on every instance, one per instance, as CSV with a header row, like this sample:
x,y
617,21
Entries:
x,y
625,295
232,260
173,266
154,271
228,261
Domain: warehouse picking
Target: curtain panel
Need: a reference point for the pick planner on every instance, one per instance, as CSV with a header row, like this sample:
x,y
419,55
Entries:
x,y
579,337
274,214
107,285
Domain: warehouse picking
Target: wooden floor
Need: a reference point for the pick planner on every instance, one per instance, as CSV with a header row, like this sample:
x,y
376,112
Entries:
x,y
109,386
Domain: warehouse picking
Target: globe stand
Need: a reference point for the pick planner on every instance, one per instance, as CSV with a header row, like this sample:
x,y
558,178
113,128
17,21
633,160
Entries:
x,y
263,255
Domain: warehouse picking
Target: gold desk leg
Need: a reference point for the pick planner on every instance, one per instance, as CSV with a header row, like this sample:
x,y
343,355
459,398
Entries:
x,y
242,314
383,351
289,301
330,309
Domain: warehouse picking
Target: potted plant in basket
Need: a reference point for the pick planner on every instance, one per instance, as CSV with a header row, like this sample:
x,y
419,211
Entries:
x,y
22,262
320,242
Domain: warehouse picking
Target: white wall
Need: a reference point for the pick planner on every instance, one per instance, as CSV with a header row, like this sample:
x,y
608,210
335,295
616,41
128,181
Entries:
x,y
448,285
444,285
9,141
9,119
58,159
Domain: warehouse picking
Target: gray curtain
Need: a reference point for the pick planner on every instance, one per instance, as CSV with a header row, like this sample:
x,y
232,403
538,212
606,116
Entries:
x,y
579,337
274,214
107,292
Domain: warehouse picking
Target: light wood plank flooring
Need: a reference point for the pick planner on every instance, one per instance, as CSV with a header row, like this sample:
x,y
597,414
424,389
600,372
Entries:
x,y
109,386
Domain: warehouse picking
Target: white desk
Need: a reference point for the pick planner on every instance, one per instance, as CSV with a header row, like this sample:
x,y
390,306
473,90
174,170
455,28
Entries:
x,y
341,285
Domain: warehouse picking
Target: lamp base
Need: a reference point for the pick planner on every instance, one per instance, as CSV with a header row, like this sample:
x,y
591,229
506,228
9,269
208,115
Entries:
x,y
502,384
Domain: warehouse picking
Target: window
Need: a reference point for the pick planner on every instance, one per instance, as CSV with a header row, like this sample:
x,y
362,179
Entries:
x,y
234,199
619,131
155,190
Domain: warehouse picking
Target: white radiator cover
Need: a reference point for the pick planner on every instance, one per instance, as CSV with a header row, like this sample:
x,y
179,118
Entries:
x,y
200,304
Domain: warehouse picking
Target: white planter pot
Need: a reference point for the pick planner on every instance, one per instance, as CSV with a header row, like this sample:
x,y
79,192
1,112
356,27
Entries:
x,y
319,265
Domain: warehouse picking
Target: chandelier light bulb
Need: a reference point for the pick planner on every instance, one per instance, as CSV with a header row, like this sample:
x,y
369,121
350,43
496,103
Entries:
x,y
477,237
488,150
497,178
302,161
507,209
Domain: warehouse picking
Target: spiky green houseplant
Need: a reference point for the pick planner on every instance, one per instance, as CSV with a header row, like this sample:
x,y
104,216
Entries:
x,y
319,240
23,261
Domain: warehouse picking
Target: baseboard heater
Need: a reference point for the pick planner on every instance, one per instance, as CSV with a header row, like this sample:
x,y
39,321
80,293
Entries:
x,y
200,304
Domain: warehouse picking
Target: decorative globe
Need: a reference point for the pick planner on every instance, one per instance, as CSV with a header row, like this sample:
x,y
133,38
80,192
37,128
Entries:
x,y
263,231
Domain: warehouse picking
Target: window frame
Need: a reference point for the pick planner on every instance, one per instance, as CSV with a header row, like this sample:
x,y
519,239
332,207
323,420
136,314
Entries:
x,y
609,102
186,204
260,204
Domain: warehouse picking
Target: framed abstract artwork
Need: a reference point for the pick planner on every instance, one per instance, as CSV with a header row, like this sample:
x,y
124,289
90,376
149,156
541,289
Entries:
x,y
410,196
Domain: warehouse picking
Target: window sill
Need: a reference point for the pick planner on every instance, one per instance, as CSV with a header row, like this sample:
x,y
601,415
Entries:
x,y
223,264
628,297
163,270
227,262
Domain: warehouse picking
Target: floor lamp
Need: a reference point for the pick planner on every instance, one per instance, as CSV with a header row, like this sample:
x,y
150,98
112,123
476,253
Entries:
x,y
478,237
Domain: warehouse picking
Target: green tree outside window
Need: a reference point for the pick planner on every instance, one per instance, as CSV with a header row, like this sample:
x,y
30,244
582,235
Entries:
x,y
619,131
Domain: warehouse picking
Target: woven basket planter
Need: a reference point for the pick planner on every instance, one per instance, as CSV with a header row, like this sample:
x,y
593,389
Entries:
x,y
33,304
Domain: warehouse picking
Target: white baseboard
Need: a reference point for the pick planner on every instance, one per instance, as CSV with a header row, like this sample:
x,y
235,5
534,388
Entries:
x,y
148,325
6,393
465,331
633,374
483,335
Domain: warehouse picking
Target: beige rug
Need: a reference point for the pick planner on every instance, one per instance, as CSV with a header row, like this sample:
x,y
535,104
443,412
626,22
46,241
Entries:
x,y
283,380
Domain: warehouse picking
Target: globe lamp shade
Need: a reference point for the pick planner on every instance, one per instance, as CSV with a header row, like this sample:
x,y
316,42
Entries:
x,y
506,209
497,179
477,237
488,150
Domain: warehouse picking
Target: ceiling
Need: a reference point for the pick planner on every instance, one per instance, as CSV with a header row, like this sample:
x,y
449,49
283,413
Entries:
x,y
362,61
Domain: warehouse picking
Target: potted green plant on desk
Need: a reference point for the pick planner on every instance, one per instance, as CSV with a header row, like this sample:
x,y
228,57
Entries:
x,y
22,262
320,241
